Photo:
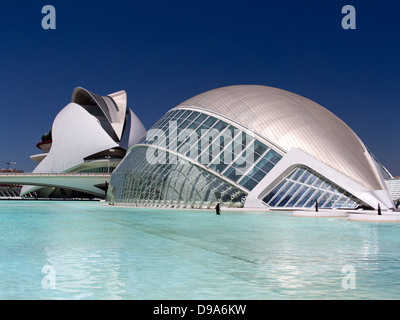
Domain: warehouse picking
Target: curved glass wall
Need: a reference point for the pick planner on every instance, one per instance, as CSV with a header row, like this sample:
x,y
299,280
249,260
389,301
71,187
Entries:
x,y
142,180
189,158
219,146
303,188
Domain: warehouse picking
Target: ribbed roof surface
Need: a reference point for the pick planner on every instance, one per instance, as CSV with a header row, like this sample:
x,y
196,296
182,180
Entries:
x,y
292,121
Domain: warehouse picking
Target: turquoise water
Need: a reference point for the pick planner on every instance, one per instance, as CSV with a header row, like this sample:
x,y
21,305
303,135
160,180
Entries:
x,y
83,250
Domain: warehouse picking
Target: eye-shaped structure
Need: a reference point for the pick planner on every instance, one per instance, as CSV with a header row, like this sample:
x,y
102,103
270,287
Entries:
x,y
90,134
250,146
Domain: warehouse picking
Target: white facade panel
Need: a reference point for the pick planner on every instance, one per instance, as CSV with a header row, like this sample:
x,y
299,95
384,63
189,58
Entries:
x,y
76,134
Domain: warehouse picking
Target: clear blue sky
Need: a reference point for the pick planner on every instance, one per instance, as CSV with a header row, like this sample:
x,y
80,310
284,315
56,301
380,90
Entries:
x,y
164,52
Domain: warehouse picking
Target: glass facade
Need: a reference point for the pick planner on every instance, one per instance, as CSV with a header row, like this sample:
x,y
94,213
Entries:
x,y
140,180
217,145
192,159
303,188
189,158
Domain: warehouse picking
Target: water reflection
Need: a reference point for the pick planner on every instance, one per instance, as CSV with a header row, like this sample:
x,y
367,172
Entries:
x,y
125,253
87,274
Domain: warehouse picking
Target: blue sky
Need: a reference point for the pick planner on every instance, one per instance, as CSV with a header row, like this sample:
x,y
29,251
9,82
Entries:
x,y
164,52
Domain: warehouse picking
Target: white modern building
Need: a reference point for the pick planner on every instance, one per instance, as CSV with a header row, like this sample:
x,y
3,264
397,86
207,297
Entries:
x,y
393,186
90,135
254,147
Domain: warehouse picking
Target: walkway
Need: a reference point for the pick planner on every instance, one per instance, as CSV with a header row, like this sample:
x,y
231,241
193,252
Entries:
x,y
92,183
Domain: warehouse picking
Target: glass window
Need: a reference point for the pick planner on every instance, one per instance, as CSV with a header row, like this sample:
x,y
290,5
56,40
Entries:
x,y
317,183
324,198
182,125
233,174
251,154
306,197
296,174
265,165
324,185
289,194
331,189
340,202
200,118
304,177
311,179
284,200
220,125
241,164
298,195
257,174
273,157
327,194
177,114
208,144
209,123
185,114
272,193
259,147
226,137
248,183
281,193
330,202
184,144
246,140
350,204
218,165
315,196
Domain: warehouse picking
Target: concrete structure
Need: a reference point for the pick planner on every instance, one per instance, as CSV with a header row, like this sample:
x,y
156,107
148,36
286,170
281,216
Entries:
x,y
94,184
9,191
90,135
253,147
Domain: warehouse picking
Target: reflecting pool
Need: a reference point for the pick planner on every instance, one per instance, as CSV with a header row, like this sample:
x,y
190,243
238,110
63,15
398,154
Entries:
x,y
85,250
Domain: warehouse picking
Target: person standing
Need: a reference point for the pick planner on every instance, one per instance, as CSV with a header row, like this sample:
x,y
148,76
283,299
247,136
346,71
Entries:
x,y
217,209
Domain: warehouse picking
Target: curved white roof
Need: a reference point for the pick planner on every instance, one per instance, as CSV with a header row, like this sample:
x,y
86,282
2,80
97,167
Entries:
x,y
113,106
76,134
292,121
86,126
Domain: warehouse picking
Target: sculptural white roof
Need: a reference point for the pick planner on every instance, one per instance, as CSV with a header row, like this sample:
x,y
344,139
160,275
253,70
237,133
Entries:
x,y
113,106
88,125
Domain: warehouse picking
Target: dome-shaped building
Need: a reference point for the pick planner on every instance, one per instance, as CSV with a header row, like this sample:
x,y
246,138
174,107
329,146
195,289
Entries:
x,y
250,146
